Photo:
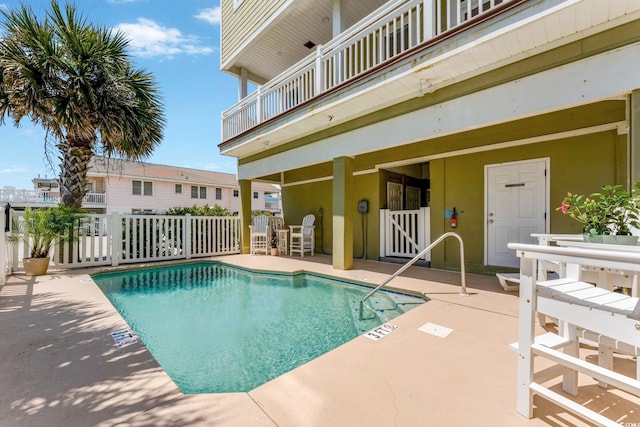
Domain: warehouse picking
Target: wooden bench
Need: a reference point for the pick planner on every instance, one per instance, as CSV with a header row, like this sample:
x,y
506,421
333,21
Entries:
x,y
610,319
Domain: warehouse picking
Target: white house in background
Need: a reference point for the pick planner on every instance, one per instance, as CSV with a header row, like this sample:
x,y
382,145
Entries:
x,y
119,186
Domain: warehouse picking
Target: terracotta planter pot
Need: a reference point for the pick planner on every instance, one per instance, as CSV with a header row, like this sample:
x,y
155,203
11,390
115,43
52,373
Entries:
x,y
274,251
35,266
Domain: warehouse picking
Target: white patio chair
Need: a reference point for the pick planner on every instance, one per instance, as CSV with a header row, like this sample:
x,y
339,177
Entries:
x,y
302,237
259,232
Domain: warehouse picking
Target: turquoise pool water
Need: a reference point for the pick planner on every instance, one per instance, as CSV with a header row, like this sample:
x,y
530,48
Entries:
x,y
215,328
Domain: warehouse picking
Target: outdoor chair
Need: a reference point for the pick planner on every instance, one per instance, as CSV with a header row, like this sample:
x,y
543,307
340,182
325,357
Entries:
x,y
260,234
302,237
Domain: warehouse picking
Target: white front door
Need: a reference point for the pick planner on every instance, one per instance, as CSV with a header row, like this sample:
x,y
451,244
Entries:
x,y
516,201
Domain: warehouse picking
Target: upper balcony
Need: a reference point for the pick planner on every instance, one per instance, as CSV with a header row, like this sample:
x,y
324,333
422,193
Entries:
x,y
393,30
31,198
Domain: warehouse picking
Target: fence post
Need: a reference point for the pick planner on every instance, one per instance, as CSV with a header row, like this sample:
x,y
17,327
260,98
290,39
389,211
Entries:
x,y
259,106
4,255
187,236
116,238
383,232
16,256
428,26
318,87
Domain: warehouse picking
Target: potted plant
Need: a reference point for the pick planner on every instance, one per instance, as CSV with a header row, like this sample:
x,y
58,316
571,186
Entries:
x,y
274,243
608,216
40,229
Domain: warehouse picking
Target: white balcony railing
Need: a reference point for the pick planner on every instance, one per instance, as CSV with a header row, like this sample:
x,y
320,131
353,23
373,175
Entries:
x,y
27,197
382,36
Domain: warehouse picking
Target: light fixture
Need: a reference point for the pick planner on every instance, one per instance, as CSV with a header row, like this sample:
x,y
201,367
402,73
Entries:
x,y
325,19
309,44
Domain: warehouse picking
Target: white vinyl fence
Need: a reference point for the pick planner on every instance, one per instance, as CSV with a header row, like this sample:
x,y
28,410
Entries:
x,y
119,239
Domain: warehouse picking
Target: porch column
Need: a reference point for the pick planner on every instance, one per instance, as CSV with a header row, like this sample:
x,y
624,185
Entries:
x,y
343,209
634,138
337,21
242,84
245,214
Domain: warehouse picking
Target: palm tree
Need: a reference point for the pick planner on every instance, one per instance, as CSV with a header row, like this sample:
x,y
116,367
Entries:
x,y
77,81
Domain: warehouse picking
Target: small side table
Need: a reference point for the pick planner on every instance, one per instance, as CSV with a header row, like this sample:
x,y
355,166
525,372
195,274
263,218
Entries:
x,y
283,241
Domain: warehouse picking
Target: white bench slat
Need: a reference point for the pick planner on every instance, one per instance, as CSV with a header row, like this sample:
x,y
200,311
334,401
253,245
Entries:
x,y
570,292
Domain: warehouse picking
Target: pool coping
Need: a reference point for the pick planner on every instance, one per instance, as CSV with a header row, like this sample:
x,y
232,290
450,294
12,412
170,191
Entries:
x,y
62,367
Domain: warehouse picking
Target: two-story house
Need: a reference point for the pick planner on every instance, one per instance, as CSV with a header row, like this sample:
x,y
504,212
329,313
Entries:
x,y
126,187
496,108
137,187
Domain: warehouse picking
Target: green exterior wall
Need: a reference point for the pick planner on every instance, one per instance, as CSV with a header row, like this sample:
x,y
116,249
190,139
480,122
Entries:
x,y
579,164
300,200
459,181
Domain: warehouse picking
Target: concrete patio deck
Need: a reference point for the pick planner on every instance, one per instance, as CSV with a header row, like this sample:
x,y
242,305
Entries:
x,y
60,366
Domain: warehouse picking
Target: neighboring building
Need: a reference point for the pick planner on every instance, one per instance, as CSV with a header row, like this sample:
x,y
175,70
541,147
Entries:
x,y
494,108
118,186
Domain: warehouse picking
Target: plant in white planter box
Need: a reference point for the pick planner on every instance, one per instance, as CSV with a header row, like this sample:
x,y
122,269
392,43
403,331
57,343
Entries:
x,y
611,212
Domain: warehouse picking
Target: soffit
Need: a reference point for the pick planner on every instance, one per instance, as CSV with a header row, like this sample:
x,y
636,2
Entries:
x,y
281,44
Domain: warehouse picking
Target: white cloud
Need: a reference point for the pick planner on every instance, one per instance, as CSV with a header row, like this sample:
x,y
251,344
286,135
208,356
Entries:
x,y
14,169
211,16
4,6
150,39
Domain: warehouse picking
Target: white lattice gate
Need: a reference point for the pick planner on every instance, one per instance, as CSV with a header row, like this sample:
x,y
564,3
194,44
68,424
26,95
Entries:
x,y
404,233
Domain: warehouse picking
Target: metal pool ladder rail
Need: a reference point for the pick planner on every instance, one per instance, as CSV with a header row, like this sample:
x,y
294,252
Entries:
x,y
463,291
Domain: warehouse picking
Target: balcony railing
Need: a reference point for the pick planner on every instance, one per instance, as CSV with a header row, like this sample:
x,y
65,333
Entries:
x,y
379,38
46,197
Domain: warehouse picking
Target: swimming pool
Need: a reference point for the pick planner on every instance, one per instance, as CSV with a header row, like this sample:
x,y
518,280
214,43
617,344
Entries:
x,y
216,328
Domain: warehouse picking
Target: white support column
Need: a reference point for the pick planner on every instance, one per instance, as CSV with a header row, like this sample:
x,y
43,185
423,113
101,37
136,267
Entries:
x,y
242,84
526,336
337,21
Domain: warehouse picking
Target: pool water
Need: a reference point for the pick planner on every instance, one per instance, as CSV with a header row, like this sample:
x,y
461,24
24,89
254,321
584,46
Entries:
x,y
216,328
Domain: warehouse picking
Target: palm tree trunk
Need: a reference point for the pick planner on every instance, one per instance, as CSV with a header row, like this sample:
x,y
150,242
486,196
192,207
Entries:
x,y
75,158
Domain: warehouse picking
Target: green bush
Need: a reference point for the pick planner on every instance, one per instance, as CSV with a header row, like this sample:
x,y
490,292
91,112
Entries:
x,y
205,210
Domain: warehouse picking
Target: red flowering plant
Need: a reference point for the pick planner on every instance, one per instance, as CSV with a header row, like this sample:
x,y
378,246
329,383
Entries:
x,y
612,211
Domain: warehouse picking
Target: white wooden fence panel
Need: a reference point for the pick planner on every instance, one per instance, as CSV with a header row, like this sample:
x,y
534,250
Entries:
x,y
404,233
119,239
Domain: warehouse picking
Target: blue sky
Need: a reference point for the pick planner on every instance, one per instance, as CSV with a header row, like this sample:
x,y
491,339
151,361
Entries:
x,y
179,43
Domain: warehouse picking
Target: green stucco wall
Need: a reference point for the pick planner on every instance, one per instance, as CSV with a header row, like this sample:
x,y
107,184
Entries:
x,y
580,164
300,200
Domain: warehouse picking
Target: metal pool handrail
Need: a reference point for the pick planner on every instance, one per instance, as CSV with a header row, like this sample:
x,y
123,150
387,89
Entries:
x,y
463,291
